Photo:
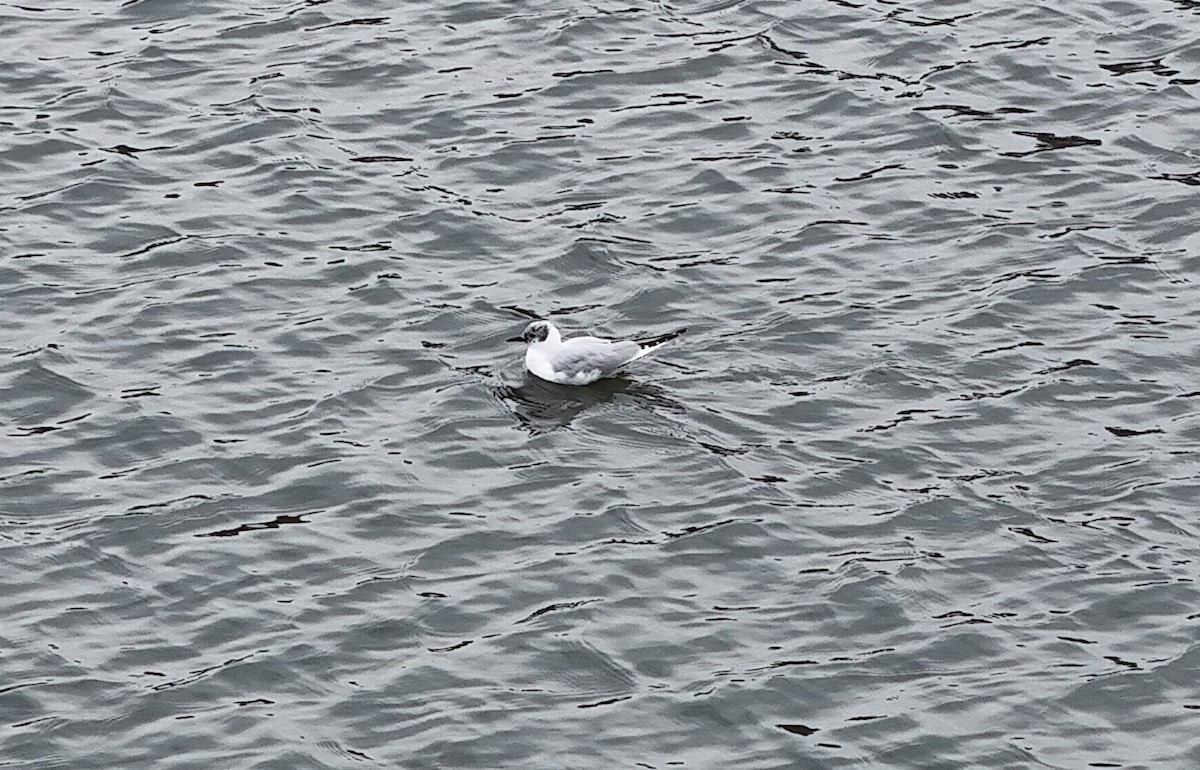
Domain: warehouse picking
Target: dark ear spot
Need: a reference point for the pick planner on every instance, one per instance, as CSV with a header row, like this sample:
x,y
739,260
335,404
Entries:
x,y
537,332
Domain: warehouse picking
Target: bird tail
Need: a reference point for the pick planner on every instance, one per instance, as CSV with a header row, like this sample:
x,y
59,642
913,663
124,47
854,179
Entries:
x,y
654,343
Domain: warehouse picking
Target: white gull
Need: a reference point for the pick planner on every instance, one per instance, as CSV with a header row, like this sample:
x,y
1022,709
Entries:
x,y
581,360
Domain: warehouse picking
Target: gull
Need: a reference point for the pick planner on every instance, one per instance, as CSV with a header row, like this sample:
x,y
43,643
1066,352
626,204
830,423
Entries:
x,y
580,360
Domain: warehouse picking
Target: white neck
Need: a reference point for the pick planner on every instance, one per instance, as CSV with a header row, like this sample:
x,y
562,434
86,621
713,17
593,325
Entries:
x,y
539,354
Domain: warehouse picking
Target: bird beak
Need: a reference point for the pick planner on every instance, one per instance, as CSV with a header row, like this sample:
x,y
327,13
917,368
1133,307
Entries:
x,y
515,339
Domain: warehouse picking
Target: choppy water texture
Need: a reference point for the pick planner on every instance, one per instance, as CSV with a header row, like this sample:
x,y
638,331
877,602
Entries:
x,y
917,490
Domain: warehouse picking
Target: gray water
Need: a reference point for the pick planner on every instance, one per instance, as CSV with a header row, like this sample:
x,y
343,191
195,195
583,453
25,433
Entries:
x,y
917,489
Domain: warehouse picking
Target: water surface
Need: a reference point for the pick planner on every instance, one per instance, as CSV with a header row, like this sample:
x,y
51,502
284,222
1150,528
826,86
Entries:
x,y
916,490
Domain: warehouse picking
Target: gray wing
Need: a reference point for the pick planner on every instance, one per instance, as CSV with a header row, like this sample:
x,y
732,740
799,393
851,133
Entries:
x,y
587,354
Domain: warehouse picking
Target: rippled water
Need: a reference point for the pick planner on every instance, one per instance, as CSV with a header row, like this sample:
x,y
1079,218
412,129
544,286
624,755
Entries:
x,y
917,489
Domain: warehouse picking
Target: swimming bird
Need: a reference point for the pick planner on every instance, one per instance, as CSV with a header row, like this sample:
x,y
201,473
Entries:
x,y
580,360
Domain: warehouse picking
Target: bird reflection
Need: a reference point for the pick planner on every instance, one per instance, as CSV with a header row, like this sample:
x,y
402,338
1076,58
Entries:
x,y
541,407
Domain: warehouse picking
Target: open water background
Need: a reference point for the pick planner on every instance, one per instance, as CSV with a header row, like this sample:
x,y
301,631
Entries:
x,y
918,489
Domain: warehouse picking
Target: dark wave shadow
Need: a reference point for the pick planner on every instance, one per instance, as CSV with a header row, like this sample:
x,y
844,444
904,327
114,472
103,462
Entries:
x,y
542,407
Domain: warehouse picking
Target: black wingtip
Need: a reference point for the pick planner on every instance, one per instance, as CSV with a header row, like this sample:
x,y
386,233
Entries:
x,y
654,342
